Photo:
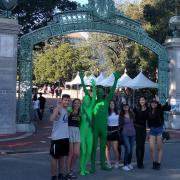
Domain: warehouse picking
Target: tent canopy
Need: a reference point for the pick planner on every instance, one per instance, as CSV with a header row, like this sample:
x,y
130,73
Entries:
x,y
108,82
89,79
100,78
123,80
140,81
75,81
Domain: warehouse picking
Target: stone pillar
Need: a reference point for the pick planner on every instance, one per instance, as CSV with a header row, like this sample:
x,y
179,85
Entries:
x,y
173,49
9,30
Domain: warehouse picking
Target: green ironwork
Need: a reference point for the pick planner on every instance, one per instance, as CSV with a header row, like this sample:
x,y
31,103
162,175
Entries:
x,y
97,16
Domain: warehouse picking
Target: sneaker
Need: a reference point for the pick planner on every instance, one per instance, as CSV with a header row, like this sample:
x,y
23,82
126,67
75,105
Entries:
x,y
116,165
106,168
125,168
130,166
71,176
109,165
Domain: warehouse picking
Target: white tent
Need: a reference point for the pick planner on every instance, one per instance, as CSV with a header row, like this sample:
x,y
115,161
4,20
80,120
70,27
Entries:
x,y
75,81
100,78
123,80
139,82
108,82
89,79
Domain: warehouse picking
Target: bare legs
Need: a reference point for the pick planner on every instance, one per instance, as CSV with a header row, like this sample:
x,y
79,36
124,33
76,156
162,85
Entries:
x,y
73,155
114,145
57,163
152,141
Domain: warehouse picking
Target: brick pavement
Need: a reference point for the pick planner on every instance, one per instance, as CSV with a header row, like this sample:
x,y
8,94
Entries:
x,y
30,142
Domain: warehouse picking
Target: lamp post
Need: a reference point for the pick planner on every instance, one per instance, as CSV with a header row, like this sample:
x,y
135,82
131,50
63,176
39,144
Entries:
x,y
6,6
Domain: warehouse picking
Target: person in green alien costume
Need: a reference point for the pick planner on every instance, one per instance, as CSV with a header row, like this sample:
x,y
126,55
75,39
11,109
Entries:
x,y
86,129
100,120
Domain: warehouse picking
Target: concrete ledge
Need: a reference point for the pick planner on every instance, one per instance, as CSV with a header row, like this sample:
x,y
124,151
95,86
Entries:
x,y
29,128
9,21
16,138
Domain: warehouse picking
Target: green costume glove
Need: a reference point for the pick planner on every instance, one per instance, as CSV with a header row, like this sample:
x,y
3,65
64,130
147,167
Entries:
x,y
96,107
69,109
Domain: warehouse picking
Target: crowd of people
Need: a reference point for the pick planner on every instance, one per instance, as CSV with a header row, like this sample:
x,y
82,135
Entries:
x,y
39,101
53,90
77,126
38,106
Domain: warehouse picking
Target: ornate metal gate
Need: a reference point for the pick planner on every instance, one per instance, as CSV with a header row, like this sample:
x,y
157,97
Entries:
x,y
97,16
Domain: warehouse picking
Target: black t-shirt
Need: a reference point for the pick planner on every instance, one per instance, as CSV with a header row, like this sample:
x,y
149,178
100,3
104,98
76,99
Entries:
x,y
74,120
156,119
42,102
141,117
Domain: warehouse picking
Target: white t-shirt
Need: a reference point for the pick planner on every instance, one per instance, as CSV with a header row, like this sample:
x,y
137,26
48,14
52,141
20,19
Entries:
x,y
113,119
36,104
60,127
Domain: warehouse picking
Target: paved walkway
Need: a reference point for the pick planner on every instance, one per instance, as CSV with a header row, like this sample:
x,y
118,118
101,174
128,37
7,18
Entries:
x,y
40,140
30,142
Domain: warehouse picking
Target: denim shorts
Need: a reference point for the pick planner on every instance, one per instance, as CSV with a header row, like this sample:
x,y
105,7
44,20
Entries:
x,y
156,131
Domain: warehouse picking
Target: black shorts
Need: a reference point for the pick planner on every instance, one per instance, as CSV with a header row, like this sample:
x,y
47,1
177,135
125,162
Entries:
x,y
113,133
59,148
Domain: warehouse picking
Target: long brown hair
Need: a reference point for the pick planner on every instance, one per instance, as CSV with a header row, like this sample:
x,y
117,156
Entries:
x,y
122,113
115,108
73,102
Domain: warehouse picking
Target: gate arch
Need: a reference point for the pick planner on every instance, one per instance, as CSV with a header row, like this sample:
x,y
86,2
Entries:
x,y
90,18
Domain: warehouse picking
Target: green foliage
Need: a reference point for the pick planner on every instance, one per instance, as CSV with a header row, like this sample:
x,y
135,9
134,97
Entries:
x,y
154,15
110,51
33,14
61,62
157,14
103,50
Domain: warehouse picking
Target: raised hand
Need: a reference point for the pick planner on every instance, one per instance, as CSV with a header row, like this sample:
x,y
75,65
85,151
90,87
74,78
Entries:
x,y
69,109
93,83
81,74
117,74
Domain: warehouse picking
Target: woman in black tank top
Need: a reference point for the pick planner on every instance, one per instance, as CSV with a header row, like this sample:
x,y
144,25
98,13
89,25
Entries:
x,y
74,136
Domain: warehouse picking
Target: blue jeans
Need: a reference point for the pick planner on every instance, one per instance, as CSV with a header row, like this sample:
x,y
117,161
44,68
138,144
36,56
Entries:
x,y
128,145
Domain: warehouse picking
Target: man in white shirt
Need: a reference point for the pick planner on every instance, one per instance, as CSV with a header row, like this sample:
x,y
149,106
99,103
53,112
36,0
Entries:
x,y
60,136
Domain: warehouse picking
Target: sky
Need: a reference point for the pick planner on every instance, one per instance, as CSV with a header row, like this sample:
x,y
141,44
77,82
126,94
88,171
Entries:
x,y
86,1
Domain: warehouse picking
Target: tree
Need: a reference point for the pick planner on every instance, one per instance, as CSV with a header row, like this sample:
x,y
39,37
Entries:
x,y
154,16
61,62
34,14
110,51
157,14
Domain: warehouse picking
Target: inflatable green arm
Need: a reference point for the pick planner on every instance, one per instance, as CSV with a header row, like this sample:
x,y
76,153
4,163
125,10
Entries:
x,y
111,93
93,93
81,75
